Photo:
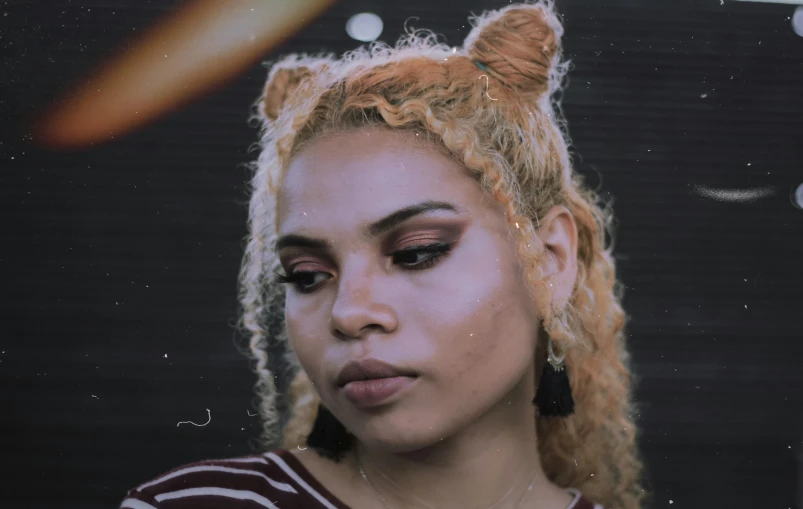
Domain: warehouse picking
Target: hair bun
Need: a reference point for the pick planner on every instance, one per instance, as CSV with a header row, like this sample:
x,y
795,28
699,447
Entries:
x,y
519,45
280,85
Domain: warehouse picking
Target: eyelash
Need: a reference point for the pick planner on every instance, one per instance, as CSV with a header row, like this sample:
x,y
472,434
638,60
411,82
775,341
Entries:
x,y
439,251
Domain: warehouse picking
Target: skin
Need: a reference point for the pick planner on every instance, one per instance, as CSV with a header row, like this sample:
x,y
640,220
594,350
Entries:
x,y
462,436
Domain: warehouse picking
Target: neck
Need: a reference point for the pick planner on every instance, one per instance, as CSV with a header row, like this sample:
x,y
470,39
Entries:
x,y
491,464
482,482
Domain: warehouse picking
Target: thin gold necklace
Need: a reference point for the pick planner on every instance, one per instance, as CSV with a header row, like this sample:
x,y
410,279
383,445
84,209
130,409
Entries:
x,y
385,503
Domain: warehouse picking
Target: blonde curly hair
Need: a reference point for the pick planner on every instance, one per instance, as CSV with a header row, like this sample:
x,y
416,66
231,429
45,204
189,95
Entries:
x,y
493,105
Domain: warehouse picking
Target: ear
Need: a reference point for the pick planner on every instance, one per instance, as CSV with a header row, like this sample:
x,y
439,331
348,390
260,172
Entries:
x,y
558,232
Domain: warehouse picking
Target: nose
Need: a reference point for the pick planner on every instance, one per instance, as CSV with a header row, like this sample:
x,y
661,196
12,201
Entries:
x,y
362,303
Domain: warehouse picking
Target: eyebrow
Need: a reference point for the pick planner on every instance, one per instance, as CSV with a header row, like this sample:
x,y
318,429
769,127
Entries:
x,y
373,230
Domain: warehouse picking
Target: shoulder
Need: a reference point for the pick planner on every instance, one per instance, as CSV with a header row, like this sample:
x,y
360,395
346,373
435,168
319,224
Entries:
x,y
272,479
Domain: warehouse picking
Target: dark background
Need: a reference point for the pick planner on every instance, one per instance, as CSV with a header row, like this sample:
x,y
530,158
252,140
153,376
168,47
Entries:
x,y
118,263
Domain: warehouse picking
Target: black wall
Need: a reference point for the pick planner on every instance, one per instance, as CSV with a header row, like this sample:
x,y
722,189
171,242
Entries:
x,y
118,263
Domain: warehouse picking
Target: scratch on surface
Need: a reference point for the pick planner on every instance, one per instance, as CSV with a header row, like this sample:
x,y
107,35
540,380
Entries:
x,y
486,87
199,425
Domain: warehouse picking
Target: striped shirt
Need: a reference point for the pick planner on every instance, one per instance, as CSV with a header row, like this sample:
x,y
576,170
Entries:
x,y
274,480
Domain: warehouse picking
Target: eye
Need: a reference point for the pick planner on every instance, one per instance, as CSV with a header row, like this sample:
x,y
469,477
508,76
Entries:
x,y
409,259
432,253
299,279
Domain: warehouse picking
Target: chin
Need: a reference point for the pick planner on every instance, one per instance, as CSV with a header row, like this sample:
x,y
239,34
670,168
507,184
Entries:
x,y
405,447
410,438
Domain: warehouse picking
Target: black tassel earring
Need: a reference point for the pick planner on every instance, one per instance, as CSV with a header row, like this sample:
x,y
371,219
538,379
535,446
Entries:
x,y
328,436
554,395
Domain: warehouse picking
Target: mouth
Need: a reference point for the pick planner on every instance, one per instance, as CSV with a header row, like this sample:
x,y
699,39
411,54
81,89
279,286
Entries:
x,y
378,392
370,369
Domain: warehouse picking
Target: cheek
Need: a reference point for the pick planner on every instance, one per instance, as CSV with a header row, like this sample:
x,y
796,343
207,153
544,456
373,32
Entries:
x,y
488,364
304,336
482,323
477,292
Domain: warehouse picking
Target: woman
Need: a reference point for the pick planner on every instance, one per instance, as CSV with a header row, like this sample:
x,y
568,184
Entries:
x,y
441,270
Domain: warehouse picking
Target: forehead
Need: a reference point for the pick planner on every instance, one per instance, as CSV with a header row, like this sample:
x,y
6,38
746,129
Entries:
x,y
355,177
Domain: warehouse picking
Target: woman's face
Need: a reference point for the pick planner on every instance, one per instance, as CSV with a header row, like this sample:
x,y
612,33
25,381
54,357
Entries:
x,y
461,319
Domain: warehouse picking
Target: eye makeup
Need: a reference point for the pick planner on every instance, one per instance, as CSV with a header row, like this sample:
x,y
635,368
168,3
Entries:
x,y
407,259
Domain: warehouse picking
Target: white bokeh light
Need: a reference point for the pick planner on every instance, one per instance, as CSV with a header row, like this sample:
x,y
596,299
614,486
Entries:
x,y
364,27
797,197
797,21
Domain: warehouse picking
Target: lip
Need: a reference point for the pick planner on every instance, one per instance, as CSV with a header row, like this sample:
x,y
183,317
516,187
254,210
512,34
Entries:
x,y
376,392
370,369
